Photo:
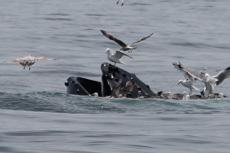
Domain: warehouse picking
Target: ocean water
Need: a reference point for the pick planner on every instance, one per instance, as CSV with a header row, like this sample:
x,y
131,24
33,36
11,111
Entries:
x,y
36,114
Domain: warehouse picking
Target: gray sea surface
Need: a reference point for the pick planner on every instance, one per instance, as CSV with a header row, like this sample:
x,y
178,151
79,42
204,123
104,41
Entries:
x,y
38,116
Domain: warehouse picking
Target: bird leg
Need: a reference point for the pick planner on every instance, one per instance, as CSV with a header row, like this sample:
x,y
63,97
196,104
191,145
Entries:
x,y
190,92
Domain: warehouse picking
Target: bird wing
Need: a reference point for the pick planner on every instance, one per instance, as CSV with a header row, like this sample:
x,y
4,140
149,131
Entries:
x,y
222,75
142,39
119,54
41,58
16,60
121,43
181,68
201,76
36,58
190,72
209,88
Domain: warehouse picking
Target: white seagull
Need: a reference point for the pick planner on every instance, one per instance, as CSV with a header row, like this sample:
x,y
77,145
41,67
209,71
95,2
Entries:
x,y
209,81
188,83
29,60
115,56
124,46
212,81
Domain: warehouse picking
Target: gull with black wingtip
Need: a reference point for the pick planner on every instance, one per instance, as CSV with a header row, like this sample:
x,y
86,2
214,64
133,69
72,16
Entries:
x,y
124,46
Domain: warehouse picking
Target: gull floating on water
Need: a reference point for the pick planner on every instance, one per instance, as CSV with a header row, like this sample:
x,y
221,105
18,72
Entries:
x,y
29,60
124,46
115,56
209,81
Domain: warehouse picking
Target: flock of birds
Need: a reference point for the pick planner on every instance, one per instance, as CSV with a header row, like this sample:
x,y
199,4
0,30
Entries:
x,y
209,81
190,75
112,55
115,56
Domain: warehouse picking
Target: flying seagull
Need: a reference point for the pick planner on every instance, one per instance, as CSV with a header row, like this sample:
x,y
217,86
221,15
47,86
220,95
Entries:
x,y
209,81
124,46
29,60
115,56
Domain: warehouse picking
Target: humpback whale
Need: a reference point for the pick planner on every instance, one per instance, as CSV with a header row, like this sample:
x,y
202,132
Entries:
x,y
118,83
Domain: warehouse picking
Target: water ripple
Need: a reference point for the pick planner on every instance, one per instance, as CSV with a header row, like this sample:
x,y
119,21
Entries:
x,y
62,103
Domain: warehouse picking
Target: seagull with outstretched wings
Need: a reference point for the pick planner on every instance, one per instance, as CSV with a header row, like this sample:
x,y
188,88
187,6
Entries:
x,y
124,46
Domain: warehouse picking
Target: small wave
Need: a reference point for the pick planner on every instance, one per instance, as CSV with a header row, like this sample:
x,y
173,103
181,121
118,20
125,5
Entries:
x,y
94,14
55,102
64,103
198,45
7,149
139,3
58,14
188,44
69,72
57,19
40,101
